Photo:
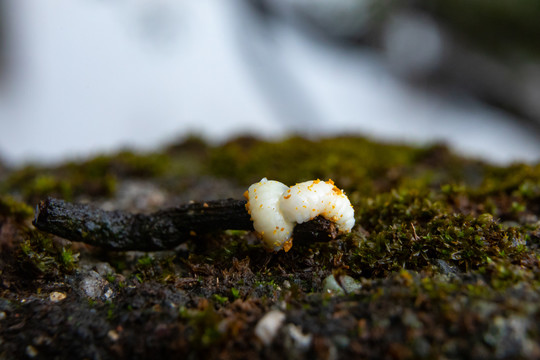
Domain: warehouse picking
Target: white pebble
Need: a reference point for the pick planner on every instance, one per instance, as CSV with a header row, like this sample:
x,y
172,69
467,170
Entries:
x,y
57,296
301,340
268,326
31,351
331,286
93,285
113,335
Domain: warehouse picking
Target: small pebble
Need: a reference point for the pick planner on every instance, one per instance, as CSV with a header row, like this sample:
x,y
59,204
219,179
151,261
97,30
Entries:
x,y
302,342
268,326
349,284
113,335
42,340
108,294
331,286
93,285
57,296
31,351
104,268
341,341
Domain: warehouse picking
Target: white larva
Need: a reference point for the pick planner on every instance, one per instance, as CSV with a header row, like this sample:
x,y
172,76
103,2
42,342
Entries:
x,y
275,209
263,205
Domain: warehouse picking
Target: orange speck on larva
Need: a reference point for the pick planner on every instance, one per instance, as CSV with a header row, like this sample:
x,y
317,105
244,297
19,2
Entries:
x,y
287,245
288,196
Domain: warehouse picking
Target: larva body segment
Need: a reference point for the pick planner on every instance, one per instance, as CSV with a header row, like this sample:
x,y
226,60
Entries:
x,y
307,201
343,211
313,198
268,222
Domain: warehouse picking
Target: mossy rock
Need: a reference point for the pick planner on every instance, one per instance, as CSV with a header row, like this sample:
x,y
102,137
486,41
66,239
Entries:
x,y
444,259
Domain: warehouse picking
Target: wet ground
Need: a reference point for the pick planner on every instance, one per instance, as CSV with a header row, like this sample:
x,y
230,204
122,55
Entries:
x,y
442,261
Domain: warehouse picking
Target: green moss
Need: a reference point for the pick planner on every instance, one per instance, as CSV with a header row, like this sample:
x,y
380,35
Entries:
x,y
9,207
235,293
39,255
442,245
415,231
161,269
111,313
220,299
417,208
204,326
68,260
145,262
94,177
297,159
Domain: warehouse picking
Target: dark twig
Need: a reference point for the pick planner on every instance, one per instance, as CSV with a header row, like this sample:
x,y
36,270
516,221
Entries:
x,y
164,229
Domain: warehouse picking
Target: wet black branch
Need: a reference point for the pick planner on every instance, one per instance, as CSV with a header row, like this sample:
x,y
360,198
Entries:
x,y
164,229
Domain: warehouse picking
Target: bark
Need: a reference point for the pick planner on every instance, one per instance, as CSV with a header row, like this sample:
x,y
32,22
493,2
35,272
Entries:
x,y
164,229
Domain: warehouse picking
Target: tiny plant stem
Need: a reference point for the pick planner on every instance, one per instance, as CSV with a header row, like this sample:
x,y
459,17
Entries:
x,y
164,229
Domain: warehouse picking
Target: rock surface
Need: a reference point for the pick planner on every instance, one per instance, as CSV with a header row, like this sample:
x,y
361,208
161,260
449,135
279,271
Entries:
x,y
443,261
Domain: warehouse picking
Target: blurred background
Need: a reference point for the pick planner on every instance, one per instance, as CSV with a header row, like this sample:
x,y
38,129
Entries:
x,y
88,76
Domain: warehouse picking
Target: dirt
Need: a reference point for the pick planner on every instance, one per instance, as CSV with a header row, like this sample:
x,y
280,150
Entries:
x,y
443,261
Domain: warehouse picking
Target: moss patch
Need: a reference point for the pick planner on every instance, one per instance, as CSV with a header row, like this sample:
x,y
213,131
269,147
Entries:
x,y
444,255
